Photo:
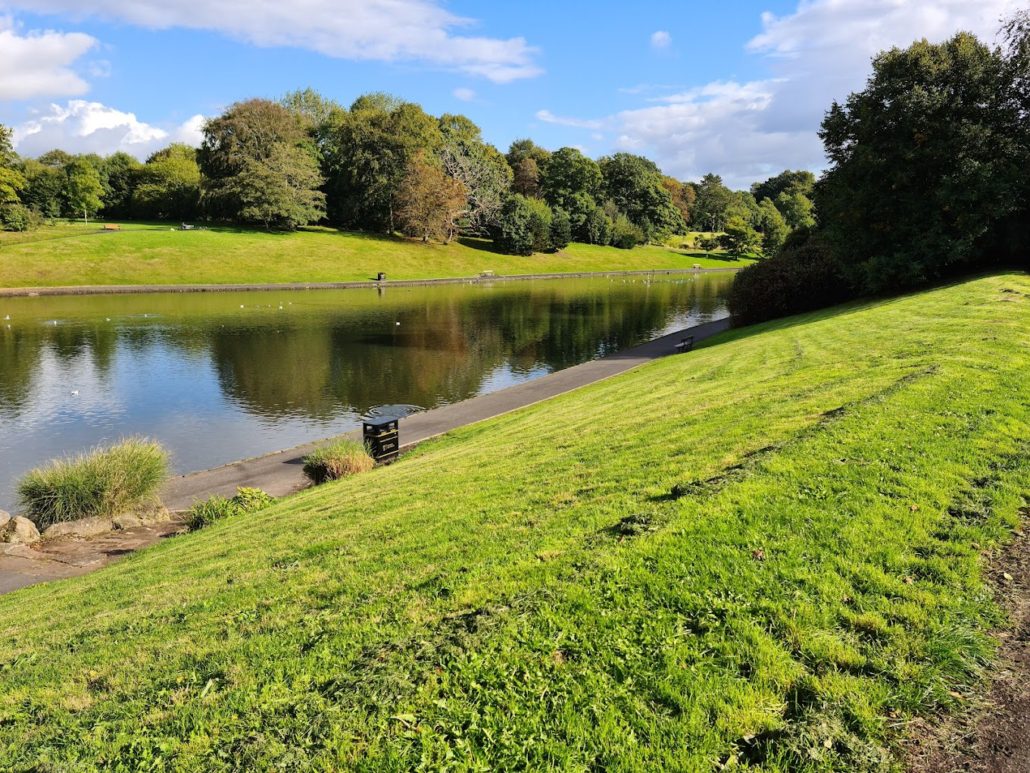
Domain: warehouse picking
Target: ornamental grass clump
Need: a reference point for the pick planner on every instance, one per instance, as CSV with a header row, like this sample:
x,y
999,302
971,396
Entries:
x,y
102,483
247,500
339,459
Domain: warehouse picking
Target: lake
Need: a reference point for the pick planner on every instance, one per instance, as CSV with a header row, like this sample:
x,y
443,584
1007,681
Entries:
x,y
223,376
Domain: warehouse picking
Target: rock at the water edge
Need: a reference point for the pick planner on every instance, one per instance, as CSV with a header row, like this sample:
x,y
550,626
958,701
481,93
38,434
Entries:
x,y
4,518
19,530
84,527
127,522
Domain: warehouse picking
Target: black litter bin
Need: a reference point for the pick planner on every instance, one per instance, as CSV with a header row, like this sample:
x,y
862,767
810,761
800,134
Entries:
x,y
382,438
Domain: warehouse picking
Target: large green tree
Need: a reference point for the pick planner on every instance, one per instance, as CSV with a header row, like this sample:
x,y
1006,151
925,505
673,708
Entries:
x,y
712,204
787,181
281,189
366,157
526,225
798,210
925,163
119,173
12,182
636,186
244,148
168,185
44,187
567,176
772,227
83,188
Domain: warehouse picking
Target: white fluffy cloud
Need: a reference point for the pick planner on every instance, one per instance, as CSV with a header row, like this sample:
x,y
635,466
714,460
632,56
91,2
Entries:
x,y
38,64
821,52
560,120
91,127
464,94
661,39
384,30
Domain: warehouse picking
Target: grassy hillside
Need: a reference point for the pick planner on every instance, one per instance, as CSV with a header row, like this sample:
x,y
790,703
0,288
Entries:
x,y
77,254
767,551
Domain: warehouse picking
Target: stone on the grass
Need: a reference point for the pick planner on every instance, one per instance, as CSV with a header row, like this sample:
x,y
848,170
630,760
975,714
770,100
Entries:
x,y
19,531
84,527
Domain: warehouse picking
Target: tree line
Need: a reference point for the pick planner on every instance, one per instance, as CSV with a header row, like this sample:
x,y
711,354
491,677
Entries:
x,y
384,165
928,179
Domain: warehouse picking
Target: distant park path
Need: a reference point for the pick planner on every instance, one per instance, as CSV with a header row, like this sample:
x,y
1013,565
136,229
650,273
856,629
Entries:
x,y
281,473
19,292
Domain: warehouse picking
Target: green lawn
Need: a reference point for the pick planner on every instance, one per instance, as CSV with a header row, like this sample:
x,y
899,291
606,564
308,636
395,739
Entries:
x,y
768,551
77,254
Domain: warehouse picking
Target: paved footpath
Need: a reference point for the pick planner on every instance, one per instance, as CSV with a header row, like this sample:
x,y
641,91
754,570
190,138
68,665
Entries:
x,y
281,473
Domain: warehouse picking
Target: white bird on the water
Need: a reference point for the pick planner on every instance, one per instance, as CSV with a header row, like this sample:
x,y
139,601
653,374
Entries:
x,y
75,392
7,317
397,323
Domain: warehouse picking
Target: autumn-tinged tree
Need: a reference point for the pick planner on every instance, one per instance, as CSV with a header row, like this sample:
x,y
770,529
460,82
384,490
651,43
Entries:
x,y
429,201
479,167
683,196
526,178
527,160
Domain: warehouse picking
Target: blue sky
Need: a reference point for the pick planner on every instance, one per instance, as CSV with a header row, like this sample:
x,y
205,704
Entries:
x,y
736,88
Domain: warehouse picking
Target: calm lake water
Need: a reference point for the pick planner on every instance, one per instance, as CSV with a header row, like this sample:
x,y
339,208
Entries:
x,y
223,376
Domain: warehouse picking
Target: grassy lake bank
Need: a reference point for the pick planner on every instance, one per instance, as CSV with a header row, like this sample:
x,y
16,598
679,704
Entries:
x,y
73,254
767,551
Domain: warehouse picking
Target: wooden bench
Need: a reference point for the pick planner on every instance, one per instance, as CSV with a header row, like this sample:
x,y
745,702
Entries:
x,y
112,227
685,345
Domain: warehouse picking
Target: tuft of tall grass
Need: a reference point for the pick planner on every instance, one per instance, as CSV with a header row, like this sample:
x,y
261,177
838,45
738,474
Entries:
x,y
247,500
103,483
339,459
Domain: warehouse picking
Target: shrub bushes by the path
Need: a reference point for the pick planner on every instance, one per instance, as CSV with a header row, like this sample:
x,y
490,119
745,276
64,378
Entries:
x,y
804,276
247,500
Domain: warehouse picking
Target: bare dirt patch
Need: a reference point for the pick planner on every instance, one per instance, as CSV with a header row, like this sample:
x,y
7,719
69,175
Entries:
x,y
994,734
22,565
